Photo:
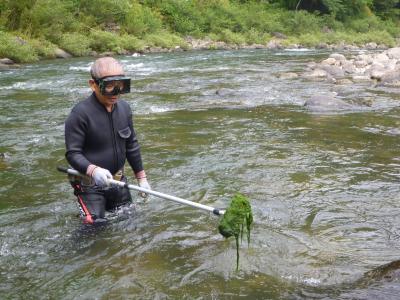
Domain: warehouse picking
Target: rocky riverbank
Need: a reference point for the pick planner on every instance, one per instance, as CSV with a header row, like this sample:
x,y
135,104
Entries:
x,y
382,68
278,42
377,68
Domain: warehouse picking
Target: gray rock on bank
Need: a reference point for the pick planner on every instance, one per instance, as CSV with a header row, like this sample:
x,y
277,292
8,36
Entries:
x,y
60,53
391,78
6,63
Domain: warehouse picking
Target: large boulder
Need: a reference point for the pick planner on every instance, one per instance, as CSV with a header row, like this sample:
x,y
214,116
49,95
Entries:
x,y
60,53
348,67
365,57
381,57
329,61
333,70
391,78
6,61
274,44
394,53
338,57
377,71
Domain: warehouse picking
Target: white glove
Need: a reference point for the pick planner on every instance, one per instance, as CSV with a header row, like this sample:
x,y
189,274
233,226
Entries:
x,y
142,182
101,176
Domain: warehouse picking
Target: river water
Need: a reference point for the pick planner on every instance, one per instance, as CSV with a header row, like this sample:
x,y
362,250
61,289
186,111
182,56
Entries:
x,y
324,187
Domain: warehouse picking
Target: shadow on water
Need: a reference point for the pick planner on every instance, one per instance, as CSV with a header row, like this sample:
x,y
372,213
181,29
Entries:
x,y
104,226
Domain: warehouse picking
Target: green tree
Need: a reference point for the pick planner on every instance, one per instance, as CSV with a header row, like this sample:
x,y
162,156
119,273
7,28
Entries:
x,y
339,8
385,5
48,18
140,20
12,11
389,9
105,11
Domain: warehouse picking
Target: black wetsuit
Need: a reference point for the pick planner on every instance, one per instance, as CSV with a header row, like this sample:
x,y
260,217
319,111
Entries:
x,y
106,139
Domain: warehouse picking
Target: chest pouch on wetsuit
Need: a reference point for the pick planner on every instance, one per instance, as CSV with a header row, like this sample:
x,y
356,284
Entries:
x,y
114,85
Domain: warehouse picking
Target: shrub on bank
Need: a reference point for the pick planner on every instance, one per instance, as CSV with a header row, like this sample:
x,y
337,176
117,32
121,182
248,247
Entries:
x,y
231,37
131,43
253,36
164,39
102,41
376,36
301,22
140,20
16,48
183,17
306,39
75,43
43,48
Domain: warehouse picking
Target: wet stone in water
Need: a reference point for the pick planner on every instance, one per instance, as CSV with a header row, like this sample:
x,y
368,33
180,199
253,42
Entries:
x,y
237,219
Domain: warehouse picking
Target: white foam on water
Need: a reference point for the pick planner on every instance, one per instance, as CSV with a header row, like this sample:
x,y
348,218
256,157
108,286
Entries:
x,y
140,68
158,109
312,281
86,68
29,85
4,251
297,49
134,66
17,85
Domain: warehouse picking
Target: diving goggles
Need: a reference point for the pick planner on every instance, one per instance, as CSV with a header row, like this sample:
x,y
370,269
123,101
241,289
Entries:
x,y
113,85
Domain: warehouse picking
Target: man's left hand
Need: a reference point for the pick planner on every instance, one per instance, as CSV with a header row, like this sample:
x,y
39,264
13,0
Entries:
x,y
142,182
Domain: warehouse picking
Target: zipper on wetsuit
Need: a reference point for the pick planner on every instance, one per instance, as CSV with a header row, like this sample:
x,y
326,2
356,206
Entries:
x,y
114,140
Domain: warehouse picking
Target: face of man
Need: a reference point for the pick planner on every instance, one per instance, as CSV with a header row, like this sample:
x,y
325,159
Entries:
x,y
108,69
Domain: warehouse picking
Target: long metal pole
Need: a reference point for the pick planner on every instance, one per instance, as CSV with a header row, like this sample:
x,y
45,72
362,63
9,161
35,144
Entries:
x,y
215,211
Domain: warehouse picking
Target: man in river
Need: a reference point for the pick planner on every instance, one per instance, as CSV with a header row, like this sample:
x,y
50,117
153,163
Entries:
x,y
99,137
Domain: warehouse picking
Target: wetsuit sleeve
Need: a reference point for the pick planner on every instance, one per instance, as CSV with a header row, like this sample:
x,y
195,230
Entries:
x,y
75,132
133,150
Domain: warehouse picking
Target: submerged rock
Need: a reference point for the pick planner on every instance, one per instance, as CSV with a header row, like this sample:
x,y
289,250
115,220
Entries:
x,y
317,73
343,81
223,92
324,103
388,273
288,75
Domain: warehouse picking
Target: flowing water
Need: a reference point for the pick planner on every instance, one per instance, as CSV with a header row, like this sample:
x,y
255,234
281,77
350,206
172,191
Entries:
x,y
324,188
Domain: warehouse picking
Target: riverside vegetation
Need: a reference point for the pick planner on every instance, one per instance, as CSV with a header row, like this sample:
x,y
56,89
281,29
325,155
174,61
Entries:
x,y
34,29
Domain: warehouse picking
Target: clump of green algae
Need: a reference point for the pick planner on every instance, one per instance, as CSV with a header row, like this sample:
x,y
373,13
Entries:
x,y
237,218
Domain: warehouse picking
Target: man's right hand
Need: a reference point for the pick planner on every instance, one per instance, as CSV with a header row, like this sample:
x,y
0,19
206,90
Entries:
x,y
101,176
